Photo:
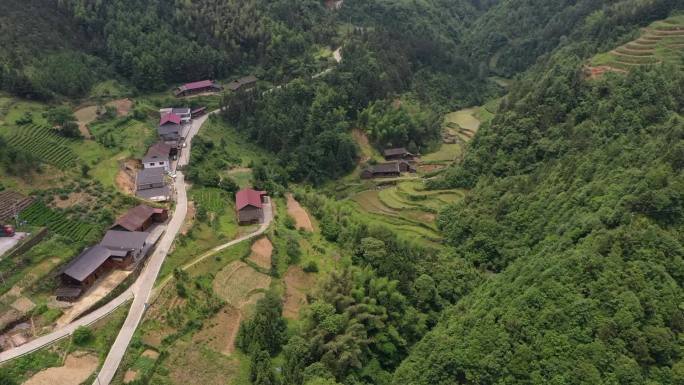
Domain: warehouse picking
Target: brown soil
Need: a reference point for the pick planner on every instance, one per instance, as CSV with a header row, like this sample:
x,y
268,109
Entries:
x,y
155,338
130,376
125,182
72,199
149,353
123,106
78,366
296,211
23,304
219,332
430,167
261,252
297,282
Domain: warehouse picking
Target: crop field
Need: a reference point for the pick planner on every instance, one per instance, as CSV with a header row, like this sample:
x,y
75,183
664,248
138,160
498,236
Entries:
x,y
212,199
42,142
40,215
661,42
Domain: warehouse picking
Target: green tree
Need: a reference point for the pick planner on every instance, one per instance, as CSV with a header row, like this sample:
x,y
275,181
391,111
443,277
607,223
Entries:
x,y
82,336
260,369
266,329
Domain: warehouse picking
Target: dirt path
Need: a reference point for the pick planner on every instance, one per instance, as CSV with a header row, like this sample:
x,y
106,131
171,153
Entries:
x,y
262,250
85,116
94,294
296,211
77,368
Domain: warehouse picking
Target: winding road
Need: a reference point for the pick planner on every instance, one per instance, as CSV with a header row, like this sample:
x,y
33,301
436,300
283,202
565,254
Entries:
x,y
143,287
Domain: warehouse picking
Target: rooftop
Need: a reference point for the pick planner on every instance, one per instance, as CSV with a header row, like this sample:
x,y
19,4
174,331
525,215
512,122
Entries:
x,y
136,217
124,240
169,118
197,85
87,262
149,176
248,197
395,151
158,151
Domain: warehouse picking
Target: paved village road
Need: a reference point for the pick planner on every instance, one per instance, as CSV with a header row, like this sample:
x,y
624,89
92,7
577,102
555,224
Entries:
x,y
143,286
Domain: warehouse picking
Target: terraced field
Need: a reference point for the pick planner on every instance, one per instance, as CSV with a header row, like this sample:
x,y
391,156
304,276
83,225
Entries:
x,y
42,142
661,42
408,208
38,214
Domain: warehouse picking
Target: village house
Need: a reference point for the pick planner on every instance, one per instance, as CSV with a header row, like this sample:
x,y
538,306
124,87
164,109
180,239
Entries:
x,y
132,242
197,112
158,156
387,170
249,206
140,218
184,113
150,185
243,84
117,250
397,154
197,88
170,129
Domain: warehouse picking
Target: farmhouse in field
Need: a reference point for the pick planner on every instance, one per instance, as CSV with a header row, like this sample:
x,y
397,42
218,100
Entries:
x,y
397,154
158,156
243,84
197,88
150,185
249,206
387,170
140,218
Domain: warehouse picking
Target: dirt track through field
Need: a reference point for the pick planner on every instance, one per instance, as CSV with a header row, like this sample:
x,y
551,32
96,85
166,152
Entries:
x,y
296,211
77,368
262,250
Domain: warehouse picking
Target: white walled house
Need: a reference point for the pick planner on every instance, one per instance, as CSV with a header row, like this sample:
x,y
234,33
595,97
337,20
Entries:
x,y
158,156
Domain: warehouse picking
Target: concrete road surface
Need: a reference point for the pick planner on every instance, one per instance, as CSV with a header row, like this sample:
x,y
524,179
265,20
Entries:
x,y
143,286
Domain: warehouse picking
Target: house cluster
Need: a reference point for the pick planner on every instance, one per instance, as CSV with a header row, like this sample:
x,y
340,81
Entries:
x,y
398,161
126,243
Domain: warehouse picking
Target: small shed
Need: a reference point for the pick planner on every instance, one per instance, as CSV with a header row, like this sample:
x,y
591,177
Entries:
x,y
140,218
399,153
201,86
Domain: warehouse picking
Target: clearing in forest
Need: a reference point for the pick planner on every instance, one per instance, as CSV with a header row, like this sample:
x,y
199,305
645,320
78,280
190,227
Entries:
x,y
261,252
85,116
297,212
297,282
123,106
78,366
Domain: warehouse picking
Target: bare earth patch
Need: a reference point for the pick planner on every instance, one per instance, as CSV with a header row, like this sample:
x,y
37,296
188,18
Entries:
x,y
152,354
125,182
261,252
237,282
85,116
296,284
23,304
130,376
296,211
219,332
123,106
72,199
78,366
99,290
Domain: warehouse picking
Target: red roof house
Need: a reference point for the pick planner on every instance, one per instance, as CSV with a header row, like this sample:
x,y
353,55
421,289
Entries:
x,y
249,206
197,87
169,118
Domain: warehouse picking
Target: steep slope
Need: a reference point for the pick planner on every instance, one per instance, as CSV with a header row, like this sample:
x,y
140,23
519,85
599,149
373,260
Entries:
x,y
578,203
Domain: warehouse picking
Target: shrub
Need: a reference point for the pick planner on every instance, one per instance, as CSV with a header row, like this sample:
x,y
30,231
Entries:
x,y
311,267
82,336
289,222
